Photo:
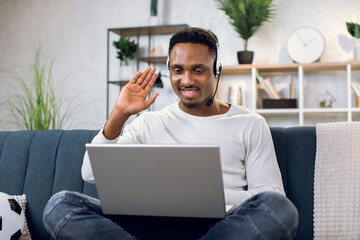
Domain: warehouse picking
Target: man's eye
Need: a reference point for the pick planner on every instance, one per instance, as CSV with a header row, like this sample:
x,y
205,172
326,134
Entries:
x,y
198,70
177,70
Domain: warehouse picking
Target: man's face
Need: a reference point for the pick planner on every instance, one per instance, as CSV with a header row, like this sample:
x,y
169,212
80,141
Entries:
x,y
191,75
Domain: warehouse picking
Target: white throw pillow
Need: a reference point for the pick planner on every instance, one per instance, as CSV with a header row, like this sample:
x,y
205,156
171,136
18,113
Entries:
x,y
21,199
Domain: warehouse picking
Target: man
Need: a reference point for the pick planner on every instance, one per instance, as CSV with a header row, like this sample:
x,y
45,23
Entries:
x,y
252,179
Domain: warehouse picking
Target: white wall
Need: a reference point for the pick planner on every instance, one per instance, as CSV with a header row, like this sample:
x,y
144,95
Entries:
x,y
75,31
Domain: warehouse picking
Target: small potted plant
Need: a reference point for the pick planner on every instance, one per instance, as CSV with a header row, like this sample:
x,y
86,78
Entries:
x,y
247,16
157,12
126,51
354,30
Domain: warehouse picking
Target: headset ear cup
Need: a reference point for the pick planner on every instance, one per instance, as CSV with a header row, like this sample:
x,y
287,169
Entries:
x,y
168,63
217,63
215,67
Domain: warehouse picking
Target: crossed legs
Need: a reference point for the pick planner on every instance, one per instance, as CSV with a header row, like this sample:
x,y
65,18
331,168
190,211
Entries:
x,y
268,215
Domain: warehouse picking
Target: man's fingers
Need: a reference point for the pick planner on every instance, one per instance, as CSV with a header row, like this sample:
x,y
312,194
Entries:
x,y
137,75
151,99
149,76
150,83
143,76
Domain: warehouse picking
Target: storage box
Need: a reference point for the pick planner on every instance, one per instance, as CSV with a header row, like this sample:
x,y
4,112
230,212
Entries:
x,y
279,103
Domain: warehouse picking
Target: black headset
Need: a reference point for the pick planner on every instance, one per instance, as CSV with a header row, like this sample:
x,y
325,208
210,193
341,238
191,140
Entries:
x,y
217,68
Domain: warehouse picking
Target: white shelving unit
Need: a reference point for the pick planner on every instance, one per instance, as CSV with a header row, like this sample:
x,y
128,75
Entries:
x,y
303,114
138,32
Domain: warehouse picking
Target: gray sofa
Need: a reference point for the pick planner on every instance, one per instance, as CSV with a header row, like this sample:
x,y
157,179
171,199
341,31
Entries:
x,y
42,163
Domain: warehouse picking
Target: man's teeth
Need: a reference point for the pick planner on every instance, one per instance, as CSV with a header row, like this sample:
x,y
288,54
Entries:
x,y
189,91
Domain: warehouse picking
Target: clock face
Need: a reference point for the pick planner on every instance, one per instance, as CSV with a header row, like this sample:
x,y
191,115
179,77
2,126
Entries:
x,y
305,45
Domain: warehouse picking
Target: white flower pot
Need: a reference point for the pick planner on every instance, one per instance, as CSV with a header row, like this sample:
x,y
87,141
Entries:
x,y
154,21
126,73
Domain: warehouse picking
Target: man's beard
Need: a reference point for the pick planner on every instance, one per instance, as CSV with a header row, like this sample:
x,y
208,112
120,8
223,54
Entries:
x,y
191,105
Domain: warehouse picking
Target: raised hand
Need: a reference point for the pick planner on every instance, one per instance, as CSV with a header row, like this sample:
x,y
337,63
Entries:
x,y
132,99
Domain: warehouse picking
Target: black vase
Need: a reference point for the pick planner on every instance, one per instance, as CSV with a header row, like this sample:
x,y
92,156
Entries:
x,y
245,57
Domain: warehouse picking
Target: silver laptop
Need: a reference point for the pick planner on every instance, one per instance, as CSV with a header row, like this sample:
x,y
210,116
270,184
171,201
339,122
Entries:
x,y
159,180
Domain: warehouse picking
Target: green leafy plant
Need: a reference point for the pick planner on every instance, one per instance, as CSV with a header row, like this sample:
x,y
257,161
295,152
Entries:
x,y
36,102
126,49
353,29
153,8
246,16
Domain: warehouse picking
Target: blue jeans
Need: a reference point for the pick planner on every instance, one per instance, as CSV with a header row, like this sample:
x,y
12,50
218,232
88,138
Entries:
x,y
72,215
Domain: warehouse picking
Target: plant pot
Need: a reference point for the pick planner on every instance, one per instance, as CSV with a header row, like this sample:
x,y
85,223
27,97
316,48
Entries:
x,y
126,73
154,21
245,57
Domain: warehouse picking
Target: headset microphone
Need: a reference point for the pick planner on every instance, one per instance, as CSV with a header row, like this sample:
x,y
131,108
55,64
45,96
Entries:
x,y
210,101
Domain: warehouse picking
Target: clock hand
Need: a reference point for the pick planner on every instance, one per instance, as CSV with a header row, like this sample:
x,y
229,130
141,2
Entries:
x,y
310,40
301,38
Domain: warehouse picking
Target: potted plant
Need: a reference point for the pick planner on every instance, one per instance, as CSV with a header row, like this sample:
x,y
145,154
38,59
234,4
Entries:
x,y
153,8
247,16
126,51
354,30
36,102
157,12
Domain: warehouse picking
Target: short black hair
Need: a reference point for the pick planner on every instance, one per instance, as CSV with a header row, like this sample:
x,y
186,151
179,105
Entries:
x,y
195,35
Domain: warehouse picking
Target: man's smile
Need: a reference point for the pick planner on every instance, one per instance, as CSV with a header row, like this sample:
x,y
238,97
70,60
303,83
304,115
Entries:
x,y
189,92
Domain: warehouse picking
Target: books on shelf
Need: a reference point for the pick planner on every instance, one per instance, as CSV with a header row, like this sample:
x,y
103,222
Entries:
x,y
279,95
273,94
268,87
262,84
356,87
292,90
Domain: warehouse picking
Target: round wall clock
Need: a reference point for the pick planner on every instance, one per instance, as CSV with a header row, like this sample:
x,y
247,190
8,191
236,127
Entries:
x,y
305,45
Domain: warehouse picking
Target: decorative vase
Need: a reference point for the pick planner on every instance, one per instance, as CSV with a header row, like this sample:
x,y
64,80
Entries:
x,y
357,53
235,95
245,57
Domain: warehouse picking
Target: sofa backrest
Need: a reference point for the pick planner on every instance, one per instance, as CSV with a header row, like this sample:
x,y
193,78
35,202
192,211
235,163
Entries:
x,y
42,163
295,149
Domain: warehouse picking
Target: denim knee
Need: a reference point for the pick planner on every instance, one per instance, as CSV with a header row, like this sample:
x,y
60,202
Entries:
x,y
279,202
62,206
52,203
50,215
282,209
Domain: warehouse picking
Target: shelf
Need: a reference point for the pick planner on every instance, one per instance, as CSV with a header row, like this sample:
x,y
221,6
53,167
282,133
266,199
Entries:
x,y
281,111
246,68
161,60
120,83
148,30
325,110
301,115
292,67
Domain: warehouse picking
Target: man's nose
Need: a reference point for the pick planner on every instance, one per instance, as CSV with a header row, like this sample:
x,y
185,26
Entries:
x,y
187,80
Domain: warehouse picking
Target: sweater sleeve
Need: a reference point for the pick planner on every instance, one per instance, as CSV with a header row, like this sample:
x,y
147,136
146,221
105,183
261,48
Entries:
x,y
86,170
127,136
262,170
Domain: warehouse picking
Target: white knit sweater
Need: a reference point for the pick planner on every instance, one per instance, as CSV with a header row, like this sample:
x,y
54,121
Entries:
x,y
247,154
